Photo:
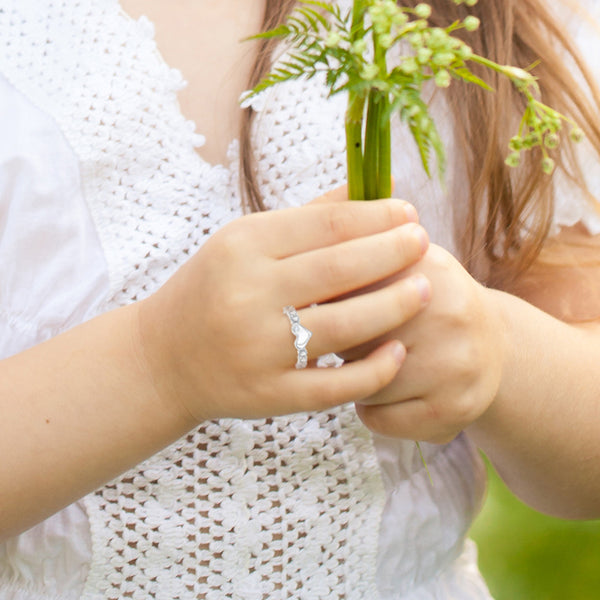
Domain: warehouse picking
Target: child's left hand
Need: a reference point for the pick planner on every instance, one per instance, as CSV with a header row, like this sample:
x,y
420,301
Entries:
x,y
454,363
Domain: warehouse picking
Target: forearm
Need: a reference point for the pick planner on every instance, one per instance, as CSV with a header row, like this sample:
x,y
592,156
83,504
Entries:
x,y
77,411
542,430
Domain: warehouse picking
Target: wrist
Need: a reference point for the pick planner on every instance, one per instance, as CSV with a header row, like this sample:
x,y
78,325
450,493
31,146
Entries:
x,y
157,362
505,350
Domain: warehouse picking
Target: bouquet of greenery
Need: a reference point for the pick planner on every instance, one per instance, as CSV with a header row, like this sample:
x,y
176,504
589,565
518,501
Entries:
x,y
352,48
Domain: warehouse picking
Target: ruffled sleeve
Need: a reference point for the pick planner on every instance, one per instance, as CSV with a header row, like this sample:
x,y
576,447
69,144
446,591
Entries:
x,y
52,269
572,206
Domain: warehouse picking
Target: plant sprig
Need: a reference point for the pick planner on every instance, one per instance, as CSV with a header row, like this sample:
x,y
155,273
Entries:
x,y
352,49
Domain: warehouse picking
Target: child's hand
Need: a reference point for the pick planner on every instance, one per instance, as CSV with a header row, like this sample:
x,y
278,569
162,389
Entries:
x,y
454,361
215,339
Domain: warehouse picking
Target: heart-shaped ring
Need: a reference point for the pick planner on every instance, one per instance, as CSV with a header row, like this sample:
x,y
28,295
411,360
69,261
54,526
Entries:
x,y
302,336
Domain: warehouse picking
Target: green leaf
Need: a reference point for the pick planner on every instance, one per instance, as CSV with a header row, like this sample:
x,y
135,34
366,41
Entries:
x,y
467,75
423,146
282,31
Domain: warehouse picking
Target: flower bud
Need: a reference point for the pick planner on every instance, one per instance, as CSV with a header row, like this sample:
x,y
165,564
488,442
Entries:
x,y
417,40
333,39
369,72
442,78
576,135
423,11
513,159
547,165
438,38
399,19
516,144
409,66
424,55
471,23
519,74
385,40
551,141
359,47
464,52
443,59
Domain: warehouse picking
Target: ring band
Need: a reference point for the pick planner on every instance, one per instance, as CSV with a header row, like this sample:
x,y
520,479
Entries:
x,y
302,336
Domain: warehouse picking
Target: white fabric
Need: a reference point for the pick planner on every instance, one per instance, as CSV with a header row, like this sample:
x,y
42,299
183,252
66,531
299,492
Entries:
x,y
571,207
42,214
106,196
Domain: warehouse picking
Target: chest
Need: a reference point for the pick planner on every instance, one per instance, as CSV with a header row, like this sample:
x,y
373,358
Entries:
x,y
205,41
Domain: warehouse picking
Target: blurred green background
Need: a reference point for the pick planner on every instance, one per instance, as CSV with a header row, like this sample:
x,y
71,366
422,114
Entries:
x,y
527,556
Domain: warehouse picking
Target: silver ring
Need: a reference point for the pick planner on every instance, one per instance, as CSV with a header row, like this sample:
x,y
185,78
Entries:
x,y
302,336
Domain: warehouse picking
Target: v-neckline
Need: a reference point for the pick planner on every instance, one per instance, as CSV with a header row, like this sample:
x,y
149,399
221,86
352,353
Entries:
x,y
232,151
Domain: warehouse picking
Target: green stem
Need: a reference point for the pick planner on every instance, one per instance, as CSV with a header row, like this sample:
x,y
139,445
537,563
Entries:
x,y
354,146
358,10
486,62
377,154
385,153
371,154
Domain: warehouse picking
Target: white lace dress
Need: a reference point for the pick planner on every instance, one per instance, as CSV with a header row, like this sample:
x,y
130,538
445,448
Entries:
x,y
102,196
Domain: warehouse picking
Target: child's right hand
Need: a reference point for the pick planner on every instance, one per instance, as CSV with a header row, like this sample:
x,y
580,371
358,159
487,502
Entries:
x,y
213,342
215,338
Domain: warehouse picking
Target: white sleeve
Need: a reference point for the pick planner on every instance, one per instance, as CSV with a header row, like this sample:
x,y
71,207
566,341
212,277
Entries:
x,y
52,269
571,205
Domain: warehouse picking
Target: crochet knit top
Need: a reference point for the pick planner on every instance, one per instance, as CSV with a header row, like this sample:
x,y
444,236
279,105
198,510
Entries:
x,y
103,195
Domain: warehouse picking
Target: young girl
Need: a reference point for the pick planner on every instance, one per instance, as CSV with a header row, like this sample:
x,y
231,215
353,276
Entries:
x,y
157,440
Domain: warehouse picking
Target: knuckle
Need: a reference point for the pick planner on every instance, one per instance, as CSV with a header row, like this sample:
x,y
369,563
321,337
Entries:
x,y
232,241
464,411
411,295
337,223
336,269
439,258
394,212
462,312
337,329
372,418
455,414
397,212
465,359
234,301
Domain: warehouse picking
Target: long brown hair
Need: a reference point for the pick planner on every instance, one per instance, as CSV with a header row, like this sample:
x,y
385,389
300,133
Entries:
x,y
510,209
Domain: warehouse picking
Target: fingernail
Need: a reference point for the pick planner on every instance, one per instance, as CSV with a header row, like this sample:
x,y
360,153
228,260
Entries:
x,y
421,235
411,213
424,288
399,353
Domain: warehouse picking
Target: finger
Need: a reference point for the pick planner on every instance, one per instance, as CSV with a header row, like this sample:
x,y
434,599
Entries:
x,y
413,420
357,320
319,389
291,231
326,273
418,378
339,194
